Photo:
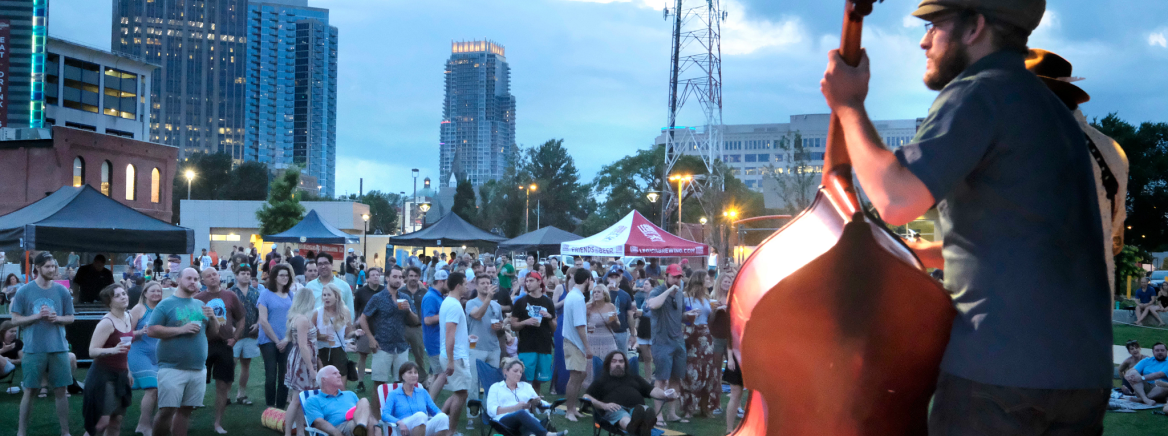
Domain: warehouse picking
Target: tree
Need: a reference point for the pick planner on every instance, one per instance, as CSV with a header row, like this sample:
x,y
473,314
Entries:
x,y
212,171
464,201
283,209
1147,187
623,186
383,209
500,205
559,194
796,181
248,181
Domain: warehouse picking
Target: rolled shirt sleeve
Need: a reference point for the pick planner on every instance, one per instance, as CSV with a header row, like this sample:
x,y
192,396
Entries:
x,y
953,139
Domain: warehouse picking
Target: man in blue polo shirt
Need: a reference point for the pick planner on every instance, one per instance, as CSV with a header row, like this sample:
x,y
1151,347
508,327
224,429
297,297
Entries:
x,y
1149,379
335,411
431,305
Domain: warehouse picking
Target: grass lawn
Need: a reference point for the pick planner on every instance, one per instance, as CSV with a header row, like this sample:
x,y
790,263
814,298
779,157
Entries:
x,y
245,420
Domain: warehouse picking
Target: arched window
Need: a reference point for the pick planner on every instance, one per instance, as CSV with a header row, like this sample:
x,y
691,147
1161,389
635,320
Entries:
x,y
131,183
78,171
106,177
155,179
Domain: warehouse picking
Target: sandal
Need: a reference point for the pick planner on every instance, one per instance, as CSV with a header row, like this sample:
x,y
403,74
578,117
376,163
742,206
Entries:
x,y
243,400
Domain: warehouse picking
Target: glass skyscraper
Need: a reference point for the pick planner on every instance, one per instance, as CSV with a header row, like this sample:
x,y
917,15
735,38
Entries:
x,y
478,126
22,77
292,89
198,94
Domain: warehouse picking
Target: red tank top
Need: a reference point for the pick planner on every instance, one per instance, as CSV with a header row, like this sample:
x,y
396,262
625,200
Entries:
x,y
116,361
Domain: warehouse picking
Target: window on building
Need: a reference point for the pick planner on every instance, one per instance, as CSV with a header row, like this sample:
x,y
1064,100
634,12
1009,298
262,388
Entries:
x,y
131,183
751,158
121,96
155,180
52,78
106,177
81,85
78,171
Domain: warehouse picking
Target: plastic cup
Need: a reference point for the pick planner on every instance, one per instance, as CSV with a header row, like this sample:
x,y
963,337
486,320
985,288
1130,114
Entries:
x,y
670,392
611,316
125,340
403,304
474,340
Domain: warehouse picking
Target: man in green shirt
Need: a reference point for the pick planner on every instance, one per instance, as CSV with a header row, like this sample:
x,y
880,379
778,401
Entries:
x,y
506,273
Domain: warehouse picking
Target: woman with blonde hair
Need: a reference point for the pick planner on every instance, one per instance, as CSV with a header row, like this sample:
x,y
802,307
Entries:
x,y
332,320
143,357
602,318
301,375
700,388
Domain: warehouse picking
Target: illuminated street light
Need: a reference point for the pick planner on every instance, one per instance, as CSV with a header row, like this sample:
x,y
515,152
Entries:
x,y
653,195
365,236
680,179
702,220
527,207
190,176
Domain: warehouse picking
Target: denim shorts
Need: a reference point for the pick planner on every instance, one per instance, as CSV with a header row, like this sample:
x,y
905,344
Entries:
x,y
668,360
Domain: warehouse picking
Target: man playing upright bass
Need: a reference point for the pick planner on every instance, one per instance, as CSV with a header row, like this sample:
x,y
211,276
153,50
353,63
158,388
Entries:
x,y
1006,165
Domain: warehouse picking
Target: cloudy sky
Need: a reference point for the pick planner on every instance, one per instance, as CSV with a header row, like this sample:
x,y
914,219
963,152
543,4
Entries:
x,y
595,72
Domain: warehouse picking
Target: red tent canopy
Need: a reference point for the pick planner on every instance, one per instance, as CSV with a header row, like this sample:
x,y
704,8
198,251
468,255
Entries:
x,y
634,235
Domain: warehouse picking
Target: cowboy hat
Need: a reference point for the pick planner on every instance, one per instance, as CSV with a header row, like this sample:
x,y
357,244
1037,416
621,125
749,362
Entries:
x,y
1056,73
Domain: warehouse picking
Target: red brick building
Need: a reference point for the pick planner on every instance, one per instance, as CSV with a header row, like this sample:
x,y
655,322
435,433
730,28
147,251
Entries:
x,y
136,173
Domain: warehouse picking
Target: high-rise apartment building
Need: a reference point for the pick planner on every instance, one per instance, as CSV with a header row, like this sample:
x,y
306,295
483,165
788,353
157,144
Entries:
x,y
23,27
197,97
292,89
478,126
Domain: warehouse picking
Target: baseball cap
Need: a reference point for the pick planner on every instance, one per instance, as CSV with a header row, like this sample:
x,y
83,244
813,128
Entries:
x,y
42,258
1025,14
674,270
536,275
441,275
350,250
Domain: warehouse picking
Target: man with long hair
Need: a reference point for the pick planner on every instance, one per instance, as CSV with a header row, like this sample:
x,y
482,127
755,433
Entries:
x,y
619,396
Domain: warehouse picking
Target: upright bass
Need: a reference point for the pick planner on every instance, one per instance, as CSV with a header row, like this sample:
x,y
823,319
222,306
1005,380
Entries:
x,y
838,329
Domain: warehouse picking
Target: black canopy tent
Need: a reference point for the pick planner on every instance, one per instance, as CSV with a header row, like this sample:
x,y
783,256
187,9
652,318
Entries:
x,y
313,230
451,230
82,219
546,241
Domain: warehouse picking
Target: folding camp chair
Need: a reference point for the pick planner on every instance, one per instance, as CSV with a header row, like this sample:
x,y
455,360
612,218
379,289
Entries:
x,y
383,393
598,424
309,430
488,376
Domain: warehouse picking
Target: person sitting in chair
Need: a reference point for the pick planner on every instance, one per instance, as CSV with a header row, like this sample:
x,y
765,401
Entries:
x,y
1147,379
511,401
337,412
411,409
619,397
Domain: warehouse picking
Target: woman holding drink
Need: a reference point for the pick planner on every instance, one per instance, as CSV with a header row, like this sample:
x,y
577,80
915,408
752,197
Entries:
x,y
107,385
143,358
602,317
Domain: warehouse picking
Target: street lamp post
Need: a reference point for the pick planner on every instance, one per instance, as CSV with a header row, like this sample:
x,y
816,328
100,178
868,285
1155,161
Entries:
x,y
703,221
730,216
681,179
365,236
415,173
527,208
190,176
402,195
424,207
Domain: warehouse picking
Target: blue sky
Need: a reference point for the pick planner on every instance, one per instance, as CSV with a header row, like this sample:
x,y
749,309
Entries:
x,y
595,72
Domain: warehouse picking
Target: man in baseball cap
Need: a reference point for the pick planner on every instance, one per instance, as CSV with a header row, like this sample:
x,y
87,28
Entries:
x,y
997,151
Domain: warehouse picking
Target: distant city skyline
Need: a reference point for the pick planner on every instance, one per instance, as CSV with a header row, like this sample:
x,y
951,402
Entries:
x,y
596,73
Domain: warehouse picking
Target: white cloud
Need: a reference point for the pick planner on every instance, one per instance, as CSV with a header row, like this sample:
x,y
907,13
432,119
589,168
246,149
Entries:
x,y
910,21
1159,38
745,35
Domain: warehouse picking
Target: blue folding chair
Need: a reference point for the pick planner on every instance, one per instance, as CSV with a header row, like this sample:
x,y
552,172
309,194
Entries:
x,y
598,366
488,376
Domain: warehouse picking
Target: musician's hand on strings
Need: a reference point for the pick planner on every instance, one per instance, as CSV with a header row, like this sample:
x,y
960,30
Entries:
x,y
845,86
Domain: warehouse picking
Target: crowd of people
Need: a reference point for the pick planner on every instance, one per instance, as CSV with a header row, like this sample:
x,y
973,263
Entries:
x,y
421,326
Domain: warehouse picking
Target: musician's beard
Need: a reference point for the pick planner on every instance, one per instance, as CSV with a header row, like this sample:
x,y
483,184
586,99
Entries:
x,y
946,68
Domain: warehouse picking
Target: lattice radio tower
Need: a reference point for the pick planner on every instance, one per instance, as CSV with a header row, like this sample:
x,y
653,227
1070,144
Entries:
x,y
696,75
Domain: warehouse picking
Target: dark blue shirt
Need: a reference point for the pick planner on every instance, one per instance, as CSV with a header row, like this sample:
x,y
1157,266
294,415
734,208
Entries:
x,y
1009,168
1146,294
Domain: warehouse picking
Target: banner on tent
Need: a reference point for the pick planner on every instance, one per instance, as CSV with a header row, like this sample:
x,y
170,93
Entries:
x,y
593,250
335,250
668,251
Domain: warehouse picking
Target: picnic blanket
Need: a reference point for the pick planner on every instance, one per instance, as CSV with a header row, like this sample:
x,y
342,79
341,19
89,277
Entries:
x,y
1118,403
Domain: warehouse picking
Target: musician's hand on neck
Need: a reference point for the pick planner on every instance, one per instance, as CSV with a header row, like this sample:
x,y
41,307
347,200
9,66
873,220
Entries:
x,y
845,86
